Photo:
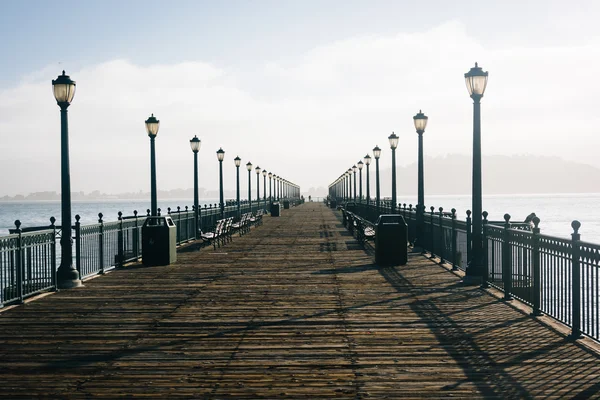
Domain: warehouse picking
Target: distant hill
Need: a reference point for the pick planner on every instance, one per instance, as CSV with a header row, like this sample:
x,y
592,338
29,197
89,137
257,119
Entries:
x,y
451,174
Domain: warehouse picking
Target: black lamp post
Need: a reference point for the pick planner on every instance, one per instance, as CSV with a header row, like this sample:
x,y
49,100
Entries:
x,y
264,173
354,174
257,169
152,125
420,121
367,163
220,157
360,167
67,275
238,162
195,145
249,168
377,154
270,194
349,175
476,80
393,138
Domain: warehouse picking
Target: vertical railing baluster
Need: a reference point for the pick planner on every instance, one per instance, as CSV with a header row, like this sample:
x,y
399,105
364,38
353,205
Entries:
x,y
535,255
454,237
19,262
187,225
78,244
442,241
410,222
120,244
432,250
469,243
576,281
486,256
178,227
53,251
506,259
101,243
135,236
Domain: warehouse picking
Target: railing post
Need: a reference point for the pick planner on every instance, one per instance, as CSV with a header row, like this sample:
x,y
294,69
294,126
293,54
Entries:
x,y
53,251
101,242
469,244
78,244
432,250
506,260
187,224
576,282
442,241
178,225
411,226
454,244
199,222
486,265
19,262
535,254
120,241
136,236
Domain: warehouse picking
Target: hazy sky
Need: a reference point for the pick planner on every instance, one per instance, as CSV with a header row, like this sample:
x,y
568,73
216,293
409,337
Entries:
x,y
302,88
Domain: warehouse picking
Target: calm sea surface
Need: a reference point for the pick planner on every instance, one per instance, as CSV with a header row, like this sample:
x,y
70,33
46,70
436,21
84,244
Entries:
x,y
38,213
556,211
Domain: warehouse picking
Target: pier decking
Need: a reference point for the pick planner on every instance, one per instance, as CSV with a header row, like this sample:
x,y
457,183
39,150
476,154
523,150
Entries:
x,y
294,309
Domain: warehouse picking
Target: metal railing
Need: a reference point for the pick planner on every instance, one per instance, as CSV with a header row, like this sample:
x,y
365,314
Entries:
x,y
555,276
27,264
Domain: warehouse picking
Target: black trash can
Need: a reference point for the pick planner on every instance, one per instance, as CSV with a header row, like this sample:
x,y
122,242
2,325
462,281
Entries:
x,y
159,241
332,204
275,209
286,204
391,240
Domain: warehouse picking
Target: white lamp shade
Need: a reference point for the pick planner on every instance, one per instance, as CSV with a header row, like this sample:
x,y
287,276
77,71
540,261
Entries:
x,y
152,125
476,80
376,152
64,89
220,154
393,138
195,144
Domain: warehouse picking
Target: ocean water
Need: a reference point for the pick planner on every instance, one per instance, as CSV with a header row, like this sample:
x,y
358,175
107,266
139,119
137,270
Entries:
x,y
38,213
556,211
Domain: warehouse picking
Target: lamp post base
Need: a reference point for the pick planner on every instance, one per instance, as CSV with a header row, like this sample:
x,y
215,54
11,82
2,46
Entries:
x,y
67,278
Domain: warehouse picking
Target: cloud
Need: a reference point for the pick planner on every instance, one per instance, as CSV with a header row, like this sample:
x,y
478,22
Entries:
x,y
306,121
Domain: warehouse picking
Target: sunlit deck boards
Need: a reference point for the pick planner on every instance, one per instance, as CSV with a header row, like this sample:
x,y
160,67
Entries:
x,y
294,309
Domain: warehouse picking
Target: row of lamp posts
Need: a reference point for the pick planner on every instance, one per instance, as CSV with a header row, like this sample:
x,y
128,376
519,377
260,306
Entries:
x,y
64,91
476,81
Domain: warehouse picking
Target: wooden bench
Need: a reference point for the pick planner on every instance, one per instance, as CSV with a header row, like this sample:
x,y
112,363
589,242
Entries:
x,y
216,236
363,229
256,219
243,225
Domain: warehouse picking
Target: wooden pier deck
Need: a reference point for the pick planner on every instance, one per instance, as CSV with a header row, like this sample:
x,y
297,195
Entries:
x,y
295,309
